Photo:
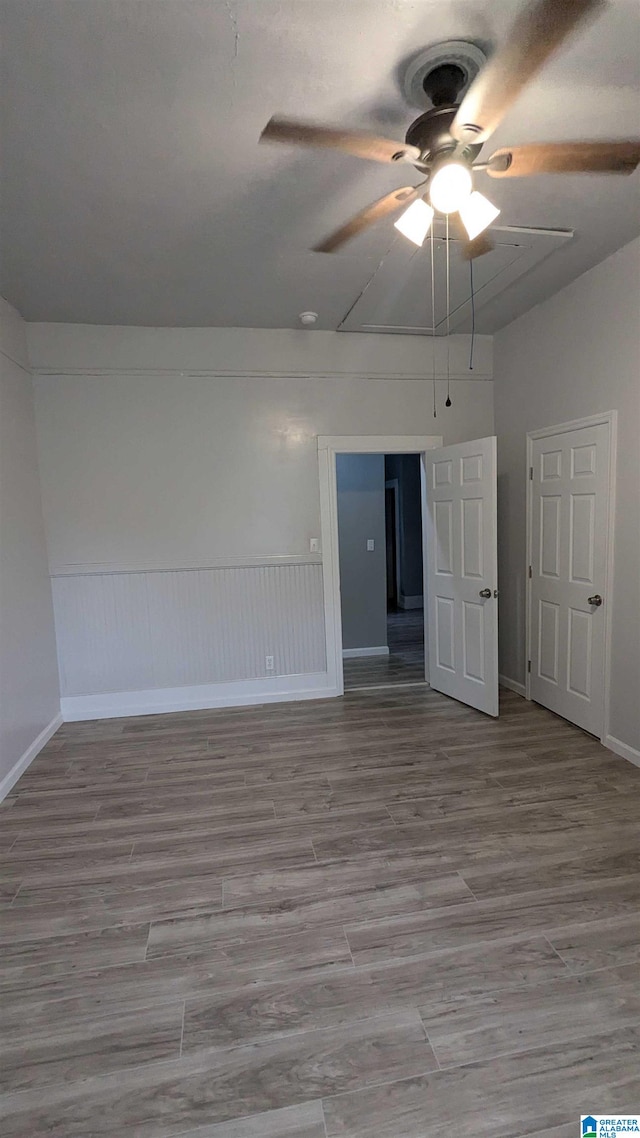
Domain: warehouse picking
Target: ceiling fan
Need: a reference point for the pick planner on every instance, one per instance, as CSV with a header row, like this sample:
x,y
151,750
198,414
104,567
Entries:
x,y
444,143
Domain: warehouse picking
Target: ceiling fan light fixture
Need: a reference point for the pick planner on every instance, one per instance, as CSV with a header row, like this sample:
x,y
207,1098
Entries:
x,y
477,212
450,187
415,222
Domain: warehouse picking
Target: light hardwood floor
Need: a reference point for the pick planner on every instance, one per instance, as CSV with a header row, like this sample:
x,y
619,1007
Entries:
x,y
384,916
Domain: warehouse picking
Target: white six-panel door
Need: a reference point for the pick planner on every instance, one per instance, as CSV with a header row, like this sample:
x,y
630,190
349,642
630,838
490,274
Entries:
x,y
569,521
462,572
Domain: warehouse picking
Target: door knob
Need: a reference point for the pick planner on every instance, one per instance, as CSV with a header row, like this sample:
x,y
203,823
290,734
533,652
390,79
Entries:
x,y
596,600
485,593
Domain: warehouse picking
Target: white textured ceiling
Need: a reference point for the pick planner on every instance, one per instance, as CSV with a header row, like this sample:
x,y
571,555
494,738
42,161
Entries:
x,y
134,191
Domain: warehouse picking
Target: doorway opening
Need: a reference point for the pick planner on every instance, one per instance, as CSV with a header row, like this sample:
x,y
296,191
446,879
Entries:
x,y
330,450
459,515
405,564
379,507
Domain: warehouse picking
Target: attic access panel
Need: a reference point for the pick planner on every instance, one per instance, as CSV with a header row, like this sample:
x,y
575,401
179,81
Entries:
x,y
398,297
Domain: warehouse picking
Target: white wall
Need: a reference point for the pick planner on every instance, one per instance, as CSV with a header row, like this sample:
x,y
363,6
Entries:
x,y
575,355
363,573
29,694
169,452
176,446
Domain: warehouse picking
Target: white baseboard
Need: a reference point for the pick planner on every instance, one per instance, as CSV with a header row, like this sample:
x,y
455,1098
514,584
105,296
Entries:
x,y
273,689
416,602
622,749
512,685
351,653
29,755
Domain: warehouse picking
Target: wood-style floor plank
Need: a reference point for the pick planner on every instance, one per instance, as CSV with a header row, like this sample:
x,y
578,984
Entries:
x,y
505,1097
304,1121
162,1099
34,1054
386,915
471,1028
545,910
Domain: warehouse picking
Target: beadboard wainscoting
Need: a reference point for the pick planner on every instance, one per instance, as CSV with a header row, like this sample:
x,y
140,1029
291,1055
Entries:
x,y
132,640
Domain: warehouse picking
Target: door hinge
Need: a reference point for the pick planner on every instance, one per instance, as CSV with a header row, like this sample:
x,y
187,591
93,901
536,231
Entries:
x,y
531,474
528,665
530,573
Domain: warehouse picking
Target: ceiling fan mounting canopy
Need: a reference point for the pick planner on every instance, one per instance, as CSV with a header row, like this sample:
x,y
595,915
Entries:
x,y
442,73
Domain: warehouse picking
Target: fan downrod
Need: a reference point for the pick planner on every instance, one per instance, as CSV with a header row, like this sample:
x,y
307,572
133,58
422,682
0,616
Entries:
x,y
444,83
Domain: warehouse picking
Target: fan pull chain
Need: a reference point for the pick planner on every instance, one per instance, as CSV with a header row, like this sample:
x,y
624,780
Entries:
x,y
448,399
473,317
433,324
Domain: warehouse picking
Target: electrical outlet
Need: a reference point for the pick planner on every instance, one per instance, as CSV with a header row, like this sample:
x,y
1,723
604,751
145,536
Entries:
x,y
268,663
370,545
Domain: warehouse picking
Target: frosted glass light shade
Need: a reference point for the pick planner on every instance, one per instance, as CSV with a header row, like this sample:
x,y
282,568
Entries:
x,y
415,222
450,187
477,213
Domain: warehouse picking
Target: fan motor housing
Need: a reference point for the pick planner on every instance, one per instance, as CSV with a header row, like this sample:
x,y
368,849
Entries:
x,y
437,79
431,133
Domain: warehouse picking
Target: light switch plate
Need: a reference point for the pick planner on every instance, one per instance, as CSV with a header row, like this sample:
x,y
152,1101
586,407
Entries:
x,y
370,545
314,545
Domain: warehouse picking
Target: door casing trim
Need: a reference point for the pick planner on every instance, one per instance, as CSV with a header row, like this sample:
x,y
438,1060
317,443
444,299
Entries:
x,y
328,447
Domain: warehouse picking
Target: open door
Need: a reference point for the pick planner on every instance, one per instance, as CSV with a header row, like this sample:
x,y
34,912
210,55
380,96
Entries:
x,y
462,572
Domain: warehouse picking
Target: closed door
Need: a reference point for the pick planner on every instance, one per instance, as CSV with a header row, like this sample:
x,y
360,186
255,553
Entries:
x,y
462,572
569,525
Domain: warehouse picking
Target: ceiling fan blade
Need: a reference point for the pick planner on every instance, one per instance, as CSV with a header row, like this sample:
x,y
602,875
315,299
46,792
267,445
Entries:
x,y
539,31
565,158
469,250
375,212
359,143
